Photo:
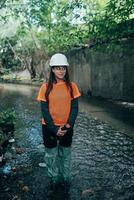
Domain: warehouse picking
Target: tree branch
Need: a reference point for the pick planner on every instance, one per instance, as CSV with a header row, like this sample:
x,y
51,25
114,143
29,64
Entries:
x,y
16,56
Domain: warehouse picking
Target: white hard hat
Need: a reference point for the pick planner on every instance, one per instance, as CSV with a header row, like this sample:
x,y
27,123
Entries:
x,y
58,59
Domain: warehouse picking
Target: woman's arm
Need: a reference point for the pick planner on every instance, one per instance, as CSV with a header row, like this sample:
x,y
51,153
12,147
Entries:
x,y
73,112
47,117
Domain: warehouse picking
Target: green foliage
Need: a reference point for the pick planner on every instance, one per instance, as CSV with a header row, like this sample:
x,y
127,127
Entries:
x,y
120,10
59,25
8,59
8,117
4,71
115,23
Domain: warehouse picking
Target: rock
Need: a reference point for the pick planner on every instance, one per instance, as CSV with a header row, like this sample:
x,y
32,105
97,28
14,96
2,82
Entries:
x,y
86,193
19,150
102,131
25,189
11,140
42,165
41,146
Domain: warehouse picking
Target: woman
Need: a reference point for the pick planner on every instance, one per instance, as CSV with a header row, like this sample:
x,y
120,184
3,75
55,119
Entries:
x,y
59,106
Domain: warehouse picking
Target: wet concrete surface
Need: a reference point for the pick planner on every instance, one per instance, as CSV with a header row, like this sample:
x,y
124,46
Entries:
x,y
102,156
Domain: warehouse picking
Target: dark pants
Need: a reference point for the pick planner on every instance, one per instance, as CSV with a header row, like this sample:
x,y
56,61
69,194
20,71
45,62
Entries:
x,y
50,140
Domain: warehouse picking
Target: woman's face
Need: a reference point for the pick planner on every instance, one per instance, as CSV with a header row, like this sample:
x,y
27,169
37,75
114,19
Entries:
x,y
59,72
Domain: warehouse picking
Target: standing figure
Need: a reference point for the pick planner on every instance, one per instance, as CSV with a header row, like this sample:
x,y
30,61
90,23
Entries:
x,y
59,107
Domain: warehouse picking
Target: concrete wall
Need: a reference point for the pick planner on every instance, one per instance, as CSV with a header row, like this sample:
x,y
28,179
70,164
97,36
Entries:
x,y
107,75
81,68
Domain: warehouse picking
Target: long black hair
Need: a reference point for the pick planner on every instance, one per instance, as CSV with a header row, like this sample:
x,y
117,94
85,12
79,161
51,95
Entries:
x,y
52,80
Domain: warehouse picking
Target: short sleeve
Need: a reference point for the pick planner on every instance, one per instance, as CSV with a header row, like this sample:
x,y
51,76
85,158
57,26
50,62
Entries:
x,y
76,92
41,94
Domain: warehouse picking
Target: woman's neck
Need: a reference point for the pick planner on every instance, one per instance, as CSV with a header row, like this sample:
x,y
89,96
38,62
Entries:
x,y
59,80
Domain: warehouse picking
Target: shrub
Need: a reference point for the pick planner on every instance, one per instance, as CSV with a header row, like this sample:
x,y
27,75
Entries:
x,y
7,117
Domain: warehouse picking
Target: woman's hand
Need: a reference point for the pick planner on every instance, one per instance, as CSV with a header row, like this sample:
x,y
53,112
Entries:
x,y
61,132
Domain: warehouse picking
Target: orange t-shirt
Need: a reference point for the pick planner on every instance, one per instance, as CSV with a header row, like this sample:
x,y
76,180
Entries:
x,y
59,101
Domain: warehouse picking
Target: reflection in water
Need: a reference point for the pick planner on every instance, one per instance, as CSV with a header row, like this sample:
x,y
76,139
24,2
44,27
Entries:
x,y
17,89
102,157
119,117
